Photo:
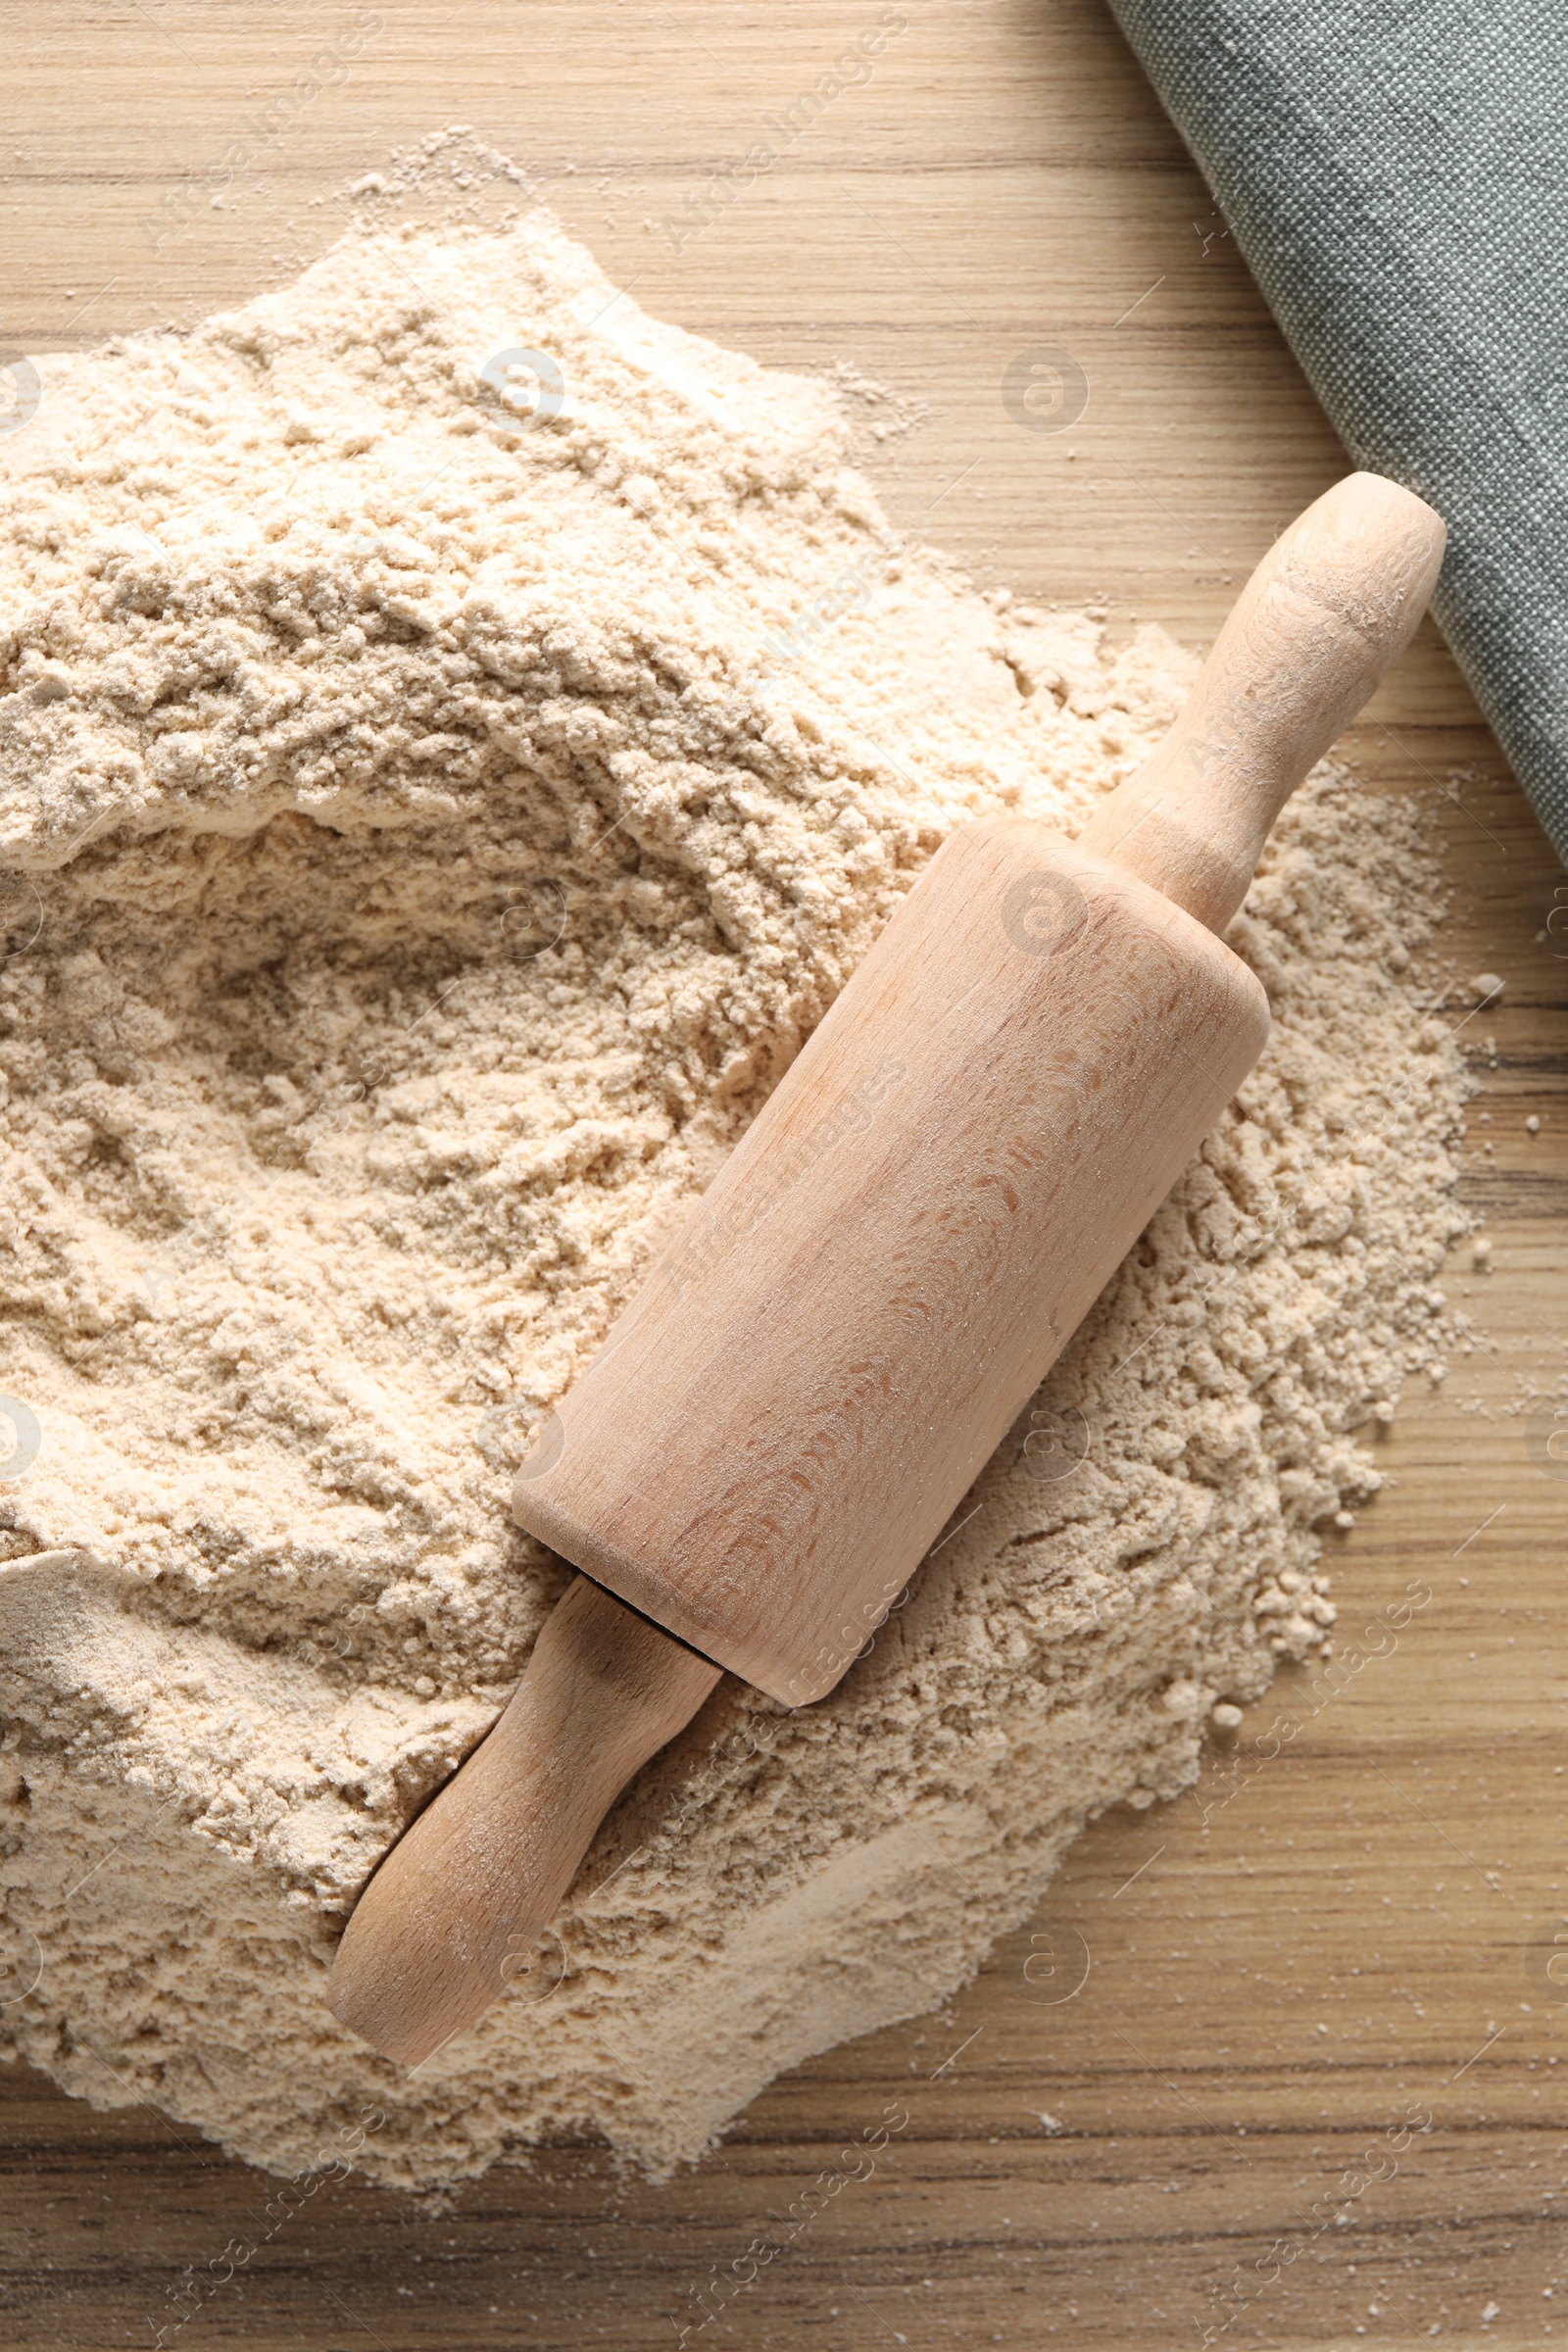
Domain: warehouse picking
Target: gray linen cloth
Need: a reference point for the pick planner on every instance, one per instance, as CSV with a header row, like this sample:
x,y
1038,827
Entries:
x,y
1396,173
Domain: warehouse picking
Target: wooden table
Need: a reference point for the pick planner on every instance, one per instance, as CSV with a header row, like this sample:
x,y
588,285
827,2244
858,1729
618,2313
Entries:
x,y
1358,1930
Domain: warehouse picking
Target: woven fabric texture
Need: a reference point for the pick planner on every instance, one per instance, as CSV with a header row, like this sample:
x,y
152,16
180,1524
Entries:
x,y
1397,174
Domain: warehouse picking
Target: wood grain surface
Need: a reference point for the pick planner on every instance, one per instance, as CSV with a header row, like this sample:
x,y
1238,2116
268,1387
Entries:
x,y
1325,1969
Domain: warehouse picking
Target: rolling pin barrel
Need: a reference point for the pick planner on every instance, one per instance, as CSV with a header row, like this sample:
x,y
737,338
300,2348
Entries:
x,y
923,1211
817,1367
885,1269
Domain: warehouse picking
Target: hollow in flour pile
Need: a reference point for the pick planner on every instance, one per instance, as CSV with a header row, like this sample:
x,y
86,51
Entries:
x,y
429,830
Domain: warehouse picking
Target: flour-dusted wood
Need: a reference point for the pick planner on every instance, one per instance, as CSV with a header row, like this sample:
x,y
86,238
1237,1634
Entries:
x,y
922,1215
910,1231
453,1918
886,1267
1335,599
1075,199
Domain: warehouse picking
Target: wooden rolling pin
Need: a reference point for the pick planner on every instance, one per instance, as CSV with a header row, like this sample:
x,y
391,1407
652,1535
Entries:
x,y
879,1278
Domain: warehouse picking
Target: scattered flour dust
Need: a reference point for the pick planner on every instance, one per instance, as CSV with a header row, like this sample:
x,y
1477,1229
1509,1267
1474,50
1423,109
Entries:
x,y
429,830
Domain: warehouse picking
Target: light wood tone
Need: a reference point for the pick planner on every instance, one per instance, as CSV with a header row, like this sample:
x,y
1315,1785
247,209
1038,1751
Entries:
x,y
778,1427
455,1915
1335,602
815,1369
879,1279
1006,179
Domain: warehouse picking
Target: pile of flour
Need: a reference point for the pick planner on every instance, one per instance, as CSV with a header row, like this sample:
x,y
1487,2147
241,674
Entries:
x,y
456,737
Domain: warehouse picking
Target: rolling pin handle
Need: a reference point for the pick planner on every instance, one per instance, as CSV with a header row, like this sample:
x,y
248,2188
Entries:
x,y
454,1912
1335,599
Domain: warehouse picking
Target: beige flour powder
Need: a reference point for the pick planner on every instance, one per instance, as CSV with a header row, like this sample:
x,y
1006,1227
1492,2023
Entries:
x,y
431,827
